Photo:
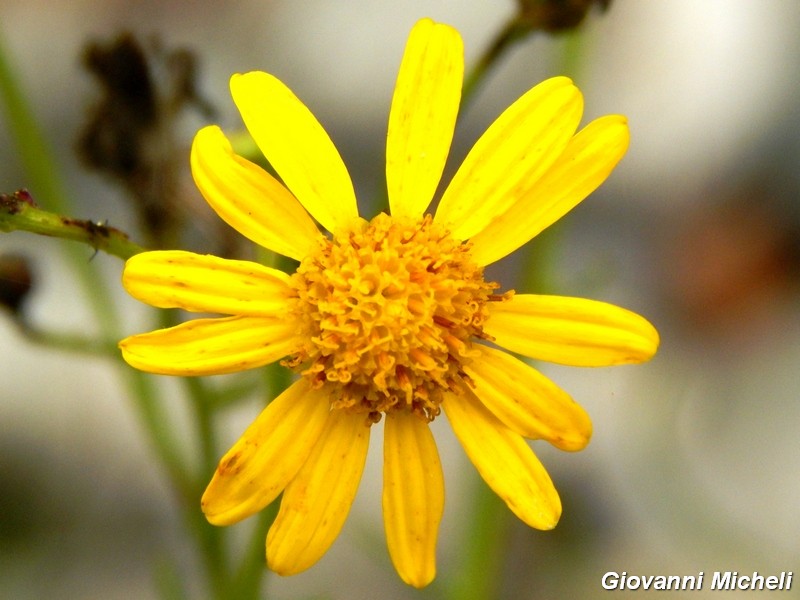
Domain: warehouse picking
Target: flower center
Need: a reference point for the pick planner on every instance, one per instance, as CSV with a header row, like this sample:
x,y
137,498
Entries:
x,y
390,310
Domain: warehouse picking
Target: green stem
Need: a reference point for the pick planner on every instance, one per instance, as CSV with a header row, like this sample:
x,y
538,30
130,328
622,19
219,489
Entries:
x,y
43,177
537,275
159,428
210,540
18,209
30,144
19,213
245,385
68,342
251,573
480,569
541,254
571,61
512,32
203,404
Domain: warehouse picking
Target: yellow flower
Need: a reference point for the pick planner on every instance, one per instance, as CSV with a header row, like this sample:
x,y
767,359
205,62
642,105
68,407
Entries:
x,y
386,317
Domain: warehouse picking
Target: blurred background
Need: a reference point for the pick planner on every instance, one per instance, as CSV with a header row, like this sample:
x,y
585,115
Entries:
x,y
695,461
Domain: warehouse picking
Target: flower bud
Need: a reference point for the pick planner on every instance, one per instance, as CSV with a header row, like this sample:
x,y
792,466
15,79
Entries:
x,y
556,15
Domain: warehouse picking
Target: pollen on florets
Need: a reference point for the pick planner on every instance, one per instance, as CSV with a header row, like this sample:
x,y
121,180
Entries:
x,y
389,311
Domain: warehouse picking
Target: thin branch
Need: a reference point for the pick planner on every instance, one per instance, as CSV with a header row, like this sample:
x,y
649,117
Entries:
x,y
18,212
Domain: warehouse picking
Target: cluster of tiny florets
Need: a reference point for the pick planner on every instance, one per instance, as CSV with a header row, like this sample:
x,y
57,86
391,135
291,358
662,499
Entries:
x,y
389,311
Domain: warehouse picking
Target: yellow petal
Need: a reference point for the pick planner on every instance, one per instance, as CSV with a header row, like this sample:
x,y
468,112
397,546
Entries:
x,y
586,162
505,461
571,331
297,147
211,346
204,283
423,116
527,401
316,502
248,198
268,455
413,496
516,150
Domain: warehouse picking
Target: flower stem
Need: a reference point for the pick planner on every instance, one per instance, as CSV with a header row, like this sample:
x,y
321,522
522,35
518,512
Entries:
x,y
18,212
67,342
512,32
43,177
249,577
484,543
30,144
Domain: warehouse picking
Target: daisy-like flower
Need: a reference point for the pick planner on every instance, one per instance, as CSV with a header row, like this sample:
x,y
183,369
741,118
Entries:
x,y
390,317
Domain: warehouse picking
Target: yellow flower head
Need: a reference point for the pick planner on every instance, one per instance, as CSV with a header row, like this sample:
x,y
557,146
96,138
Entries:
x,y
387,317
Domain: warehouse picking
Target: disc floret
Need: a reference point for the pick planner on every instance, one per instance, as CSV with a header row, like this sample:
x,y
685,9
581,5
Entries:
x,y
389,311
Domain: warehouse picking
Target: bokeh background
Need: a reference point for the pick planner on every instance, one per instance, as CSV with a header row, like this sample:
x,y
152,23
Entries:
x,y
695,461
